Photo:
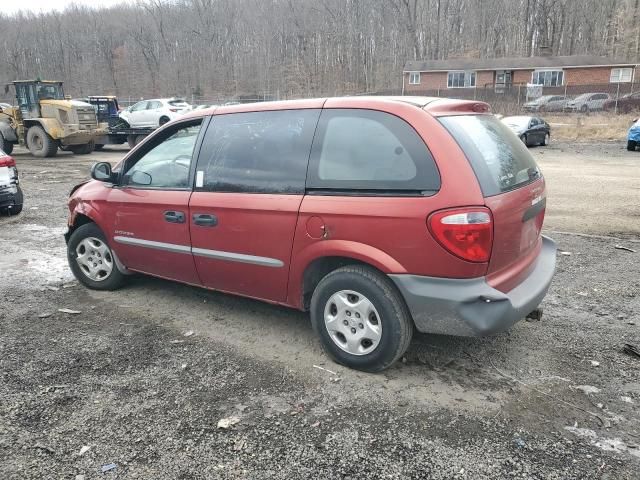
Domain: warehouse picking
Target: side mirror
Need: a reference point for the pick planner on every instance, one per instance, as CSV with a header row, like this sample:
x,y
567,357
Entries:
x,y
140,178
101,171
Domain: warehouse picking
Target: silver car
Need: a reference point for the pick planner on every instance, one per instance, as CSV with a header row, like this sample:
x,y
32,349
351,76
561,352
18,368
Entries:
x,y
587,102
547,103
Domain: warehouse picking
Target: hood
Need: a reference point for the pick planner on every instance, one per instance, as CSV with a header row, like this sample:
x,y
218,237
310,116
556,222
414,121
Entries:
x,y
66,104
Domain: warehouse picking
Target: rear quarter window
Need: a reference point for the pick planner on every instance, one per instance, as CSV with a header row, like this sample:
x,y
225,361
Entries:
x,y
370,151
498,157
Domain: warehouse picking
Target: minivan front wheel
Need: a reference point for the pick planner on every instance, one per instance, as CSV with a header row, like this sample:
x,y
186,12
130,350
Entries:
x,y
361,318
91,260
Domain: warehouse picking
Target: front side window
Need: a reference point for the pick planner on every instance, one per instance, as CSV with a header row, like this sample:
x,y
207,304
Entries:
x,y
548,78
370,150
166,161
414,78
257,152
461,79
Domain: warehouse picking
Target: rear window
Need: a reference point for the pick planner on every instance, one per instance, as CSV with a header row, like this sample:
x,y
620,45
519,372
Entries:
x,y
499,159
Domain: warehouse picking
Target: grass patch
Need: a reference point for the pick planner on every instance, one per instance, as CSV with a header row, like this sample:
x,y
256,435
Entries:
x,y
587,128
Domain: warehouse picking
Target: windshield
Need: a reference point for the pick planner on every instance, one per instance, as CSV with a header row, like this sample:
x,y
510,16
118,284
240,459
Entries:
x,y
519,122
178,103
49,91
544,99
499,159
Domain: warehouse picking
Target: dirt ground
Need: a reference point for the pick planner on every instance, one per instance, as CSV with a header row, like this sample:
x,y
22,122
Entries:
x,y
142,376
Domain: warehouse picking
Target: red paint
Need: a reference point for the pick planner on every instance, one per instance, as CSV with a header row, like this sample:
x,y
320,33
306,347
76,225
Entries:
x,y
139,213
249,224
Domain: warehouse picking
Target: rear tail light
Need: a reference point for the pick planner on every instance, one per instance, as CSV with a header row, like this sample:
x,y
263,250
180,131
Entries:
x,y
7,161
174,110
465,232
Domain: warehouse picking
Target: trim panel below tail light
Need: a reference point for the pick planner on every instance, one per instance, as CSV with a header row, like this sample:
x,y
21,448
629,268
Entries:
x,y
465,232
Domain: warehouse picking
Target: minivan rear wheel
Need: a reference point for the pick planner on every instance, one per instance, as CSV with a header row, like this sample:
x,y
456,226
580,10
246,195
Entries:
x,y
361,318
91,259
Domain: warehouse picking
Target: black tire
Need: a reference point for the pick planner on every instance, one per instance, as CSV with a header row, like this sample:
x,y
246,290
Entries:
x,y
546,140
395,319
5,145
163,120
85,149
631,145
584,109
40,144
114,280
524,140
98,146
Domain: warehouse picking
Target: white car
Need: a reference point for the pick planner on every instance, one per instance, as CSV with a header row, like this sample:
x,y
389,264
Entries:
x,y
587,102
155,112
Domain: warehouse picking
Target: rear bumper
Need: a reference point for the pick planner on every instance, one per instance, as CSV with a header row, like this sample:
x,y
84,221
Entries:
x,y
10,196
471,307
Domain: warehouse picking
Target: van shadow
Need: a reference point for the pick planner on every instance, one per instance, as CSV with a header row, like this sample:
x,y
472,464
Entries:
x,y
277,333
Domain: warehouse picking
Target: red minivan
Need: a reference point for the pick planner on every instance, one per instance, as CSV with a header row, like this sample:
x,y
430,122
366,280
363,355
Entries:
x,y
376,214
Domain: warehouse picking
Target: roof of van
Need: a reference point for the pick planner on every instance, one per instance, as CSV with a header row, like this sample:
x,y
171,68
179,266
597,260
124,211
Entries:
x,y
434,105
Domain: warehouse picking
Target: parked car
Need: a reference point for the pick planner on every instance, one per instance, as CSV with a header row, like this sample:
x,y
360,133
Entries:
x,y
154,113
11,197
531,130
625,104
547,103
587,102
633,137
377,215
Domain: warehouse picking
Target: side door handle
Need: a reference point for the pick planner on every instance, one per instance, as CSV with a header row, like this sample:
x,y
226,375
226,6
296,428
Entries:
x,y
205,220
172,216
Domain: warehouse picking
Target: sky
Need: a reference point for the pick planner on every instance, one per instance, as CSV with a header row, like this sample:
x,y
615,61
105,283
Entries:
x,y
36,6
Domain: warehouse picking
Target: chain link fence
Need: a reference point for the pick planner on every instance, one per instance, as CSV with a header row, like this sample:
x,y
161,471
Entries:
x,y
518,98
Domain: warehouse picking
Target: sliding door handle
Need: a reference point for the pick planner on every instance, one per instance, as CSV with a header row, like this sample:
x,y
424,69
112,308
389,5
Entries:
x,y
174,217
205,220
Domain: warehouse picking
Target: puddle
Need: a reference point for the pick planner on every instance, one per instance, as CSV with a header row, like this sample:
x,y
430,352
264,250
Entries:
x,y
33,269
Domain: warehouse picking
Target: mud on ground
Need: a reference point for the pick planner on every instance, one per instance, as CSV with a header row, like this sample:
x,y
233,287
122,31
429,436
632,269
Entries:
x,y
143,375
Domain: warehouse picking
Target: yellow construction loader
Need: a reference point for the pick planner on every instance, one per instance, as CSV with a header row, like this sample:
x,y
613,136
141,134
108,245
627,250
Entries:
x,y
44,120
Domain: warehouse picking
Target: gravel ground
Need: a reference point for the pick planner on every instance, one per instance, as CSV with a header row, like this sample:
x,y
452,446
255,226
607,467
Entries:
x,y
143,375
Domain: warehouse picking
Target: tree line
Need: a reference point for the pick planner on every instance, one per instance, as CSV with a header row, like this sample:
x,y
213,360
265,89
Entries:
x,y
293,48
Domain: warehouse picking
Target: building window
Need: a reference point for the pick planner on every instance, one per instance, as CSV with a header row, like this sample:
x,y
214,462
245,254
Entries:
x,y
621,75
461,80
548,78
414,78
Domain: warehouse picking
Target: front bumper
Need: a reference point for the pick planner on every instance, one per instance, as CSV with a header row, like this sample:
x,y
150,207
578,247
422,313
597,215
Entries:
x,y
82,137
471,307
